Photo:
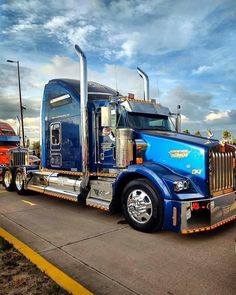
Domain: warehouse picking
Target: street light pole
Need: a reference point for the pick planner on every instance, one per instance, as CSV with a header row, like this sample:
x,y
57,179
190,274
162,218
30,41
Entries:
x,y
21,106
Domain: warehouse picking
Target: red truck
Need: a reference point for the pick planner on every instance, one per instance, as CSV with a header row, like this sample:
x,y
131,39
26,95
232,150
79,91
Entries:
x,y
8,140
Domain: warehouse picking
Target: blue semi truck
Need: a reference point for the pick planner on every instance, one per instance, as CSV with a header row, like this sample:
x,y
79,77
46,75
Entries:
x,y
118,153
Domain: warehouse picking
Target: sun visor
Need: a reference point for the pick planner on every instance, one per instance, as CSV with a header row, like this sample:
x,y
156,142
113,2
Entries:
x,y
9,138
145,108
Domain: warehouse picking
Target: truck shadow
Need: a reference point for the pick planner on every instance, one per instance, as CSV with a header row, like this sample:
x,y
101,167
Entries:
x,y
118,218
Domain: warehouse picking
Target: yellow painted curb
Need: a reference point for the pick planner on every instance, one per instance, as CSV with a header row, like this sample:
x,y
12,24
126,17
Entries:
x,y
52,271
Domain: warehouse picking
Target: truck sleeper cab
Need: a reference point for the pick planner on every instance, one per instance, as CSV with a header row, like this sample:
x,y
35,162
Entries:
x,y
112,152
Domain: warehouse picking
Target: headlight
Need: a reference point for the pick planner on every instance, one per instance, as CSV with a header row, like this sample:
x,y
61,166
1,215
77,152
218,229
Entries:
x,y
181,185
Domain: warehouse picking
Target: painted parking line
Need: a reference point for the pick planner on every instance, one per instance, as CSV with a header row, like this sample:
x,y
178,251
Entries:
x,y
51,270
28,202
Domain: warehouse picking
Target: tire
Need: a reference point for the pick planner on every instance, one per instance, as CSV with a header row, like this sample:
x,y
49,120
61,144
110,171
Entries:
x,y
151,217
20,182
8,179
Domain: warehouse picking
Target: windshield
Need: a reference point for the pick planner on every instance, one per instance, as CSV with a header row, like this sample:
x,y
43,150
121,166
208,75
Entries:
x,y
148,121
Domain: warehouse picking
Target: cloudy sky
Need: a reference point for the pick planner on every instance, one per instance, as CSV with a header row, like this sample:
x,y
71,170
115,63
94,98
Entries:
x,y
186,47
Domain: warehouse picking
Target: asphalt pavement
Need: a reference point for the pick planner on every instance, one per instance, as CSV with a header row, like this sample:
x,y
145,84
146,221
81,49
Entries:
x,y
108,257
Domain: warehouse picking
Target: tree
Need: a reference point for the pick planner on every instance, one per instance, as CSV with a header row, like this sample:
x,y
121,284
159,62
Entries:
x,y
198,133
226,134
186,131
36,145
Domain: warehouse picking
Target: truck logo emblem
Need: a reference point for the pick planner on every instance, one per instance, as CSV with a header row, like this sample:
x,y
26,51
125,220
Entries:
x,y
179,154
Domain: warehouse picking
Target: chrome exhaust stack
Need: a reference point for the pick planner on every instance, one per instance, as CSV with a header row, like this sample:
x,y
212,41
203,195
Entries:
x,y
146,83
178,120
84,115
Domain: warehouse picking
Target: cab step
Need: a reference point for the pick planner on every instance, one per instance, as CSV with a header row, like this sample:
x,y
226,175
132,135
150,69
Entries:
x,y
100,194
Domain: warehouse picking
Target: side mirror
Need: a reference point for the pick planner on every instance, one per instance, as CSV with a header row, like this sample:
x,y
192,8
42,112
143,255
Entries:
x,y
106,116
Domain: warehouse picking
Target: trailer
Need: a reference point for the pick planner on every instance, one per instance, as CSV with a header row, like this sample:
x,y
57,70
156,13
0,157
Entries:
x,y
118,153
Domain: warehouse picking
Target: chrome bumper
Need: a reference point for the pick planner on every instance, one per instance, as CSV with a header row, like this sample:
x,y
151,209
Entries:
x,y
214,212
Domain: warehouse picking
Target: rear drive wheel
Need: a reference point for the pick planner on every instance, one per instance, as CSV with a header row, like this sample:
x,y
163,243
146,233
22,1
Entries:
x,y
8,179
142,206
20,181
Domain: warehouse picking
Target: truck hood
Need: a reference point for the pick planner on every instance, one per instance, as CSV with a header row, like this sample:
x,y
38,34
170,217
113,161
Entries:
x,y
185,154
184,138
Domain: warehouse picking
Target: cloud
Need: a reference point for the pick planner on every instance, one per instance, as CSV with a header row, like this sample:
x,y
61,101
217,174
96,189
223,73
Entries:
x,y
188,47
22,25
194,105
128,48
197,111
202,70
184,119
221,117
212,116
10,107
56,22
68,33
114,76
159,26
31,127
59,65
218,121
9,78
9,95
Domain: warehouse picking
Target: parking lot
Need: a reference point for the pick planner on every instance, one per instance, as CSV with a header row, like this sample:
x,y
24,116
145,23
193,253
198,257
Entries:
x,y
108,257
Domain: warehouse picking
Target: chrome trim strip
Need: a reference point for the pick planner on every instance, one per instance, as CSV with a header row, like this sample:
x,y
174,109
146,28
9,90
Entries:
x,y
101,93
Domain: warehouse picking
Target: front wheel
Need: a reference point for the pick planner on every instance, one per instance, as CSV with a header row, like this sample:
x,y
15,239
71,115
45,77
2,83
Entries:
x,y
142,206
8,179
20,181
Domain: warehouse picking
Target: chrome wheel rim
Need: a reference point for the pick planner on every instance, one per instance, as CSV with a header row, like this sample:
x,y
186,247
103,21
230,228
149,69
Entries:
x,y
19,181
139,206
7,178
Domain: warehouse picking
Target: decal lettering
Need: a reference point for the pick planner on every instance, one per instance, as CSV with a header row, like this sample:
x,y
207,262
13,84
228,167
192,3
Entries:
x,y
197,171
107,146
179,154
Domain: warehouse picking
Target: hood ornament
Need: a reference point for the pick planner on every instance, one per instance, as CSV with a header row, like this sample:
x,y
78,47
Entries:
x,y
209,134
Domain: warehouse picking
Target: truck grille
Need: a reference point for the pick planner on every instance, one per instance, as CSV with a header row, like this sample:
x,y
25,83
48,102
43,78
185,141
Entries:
x,y
221,172
19,156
